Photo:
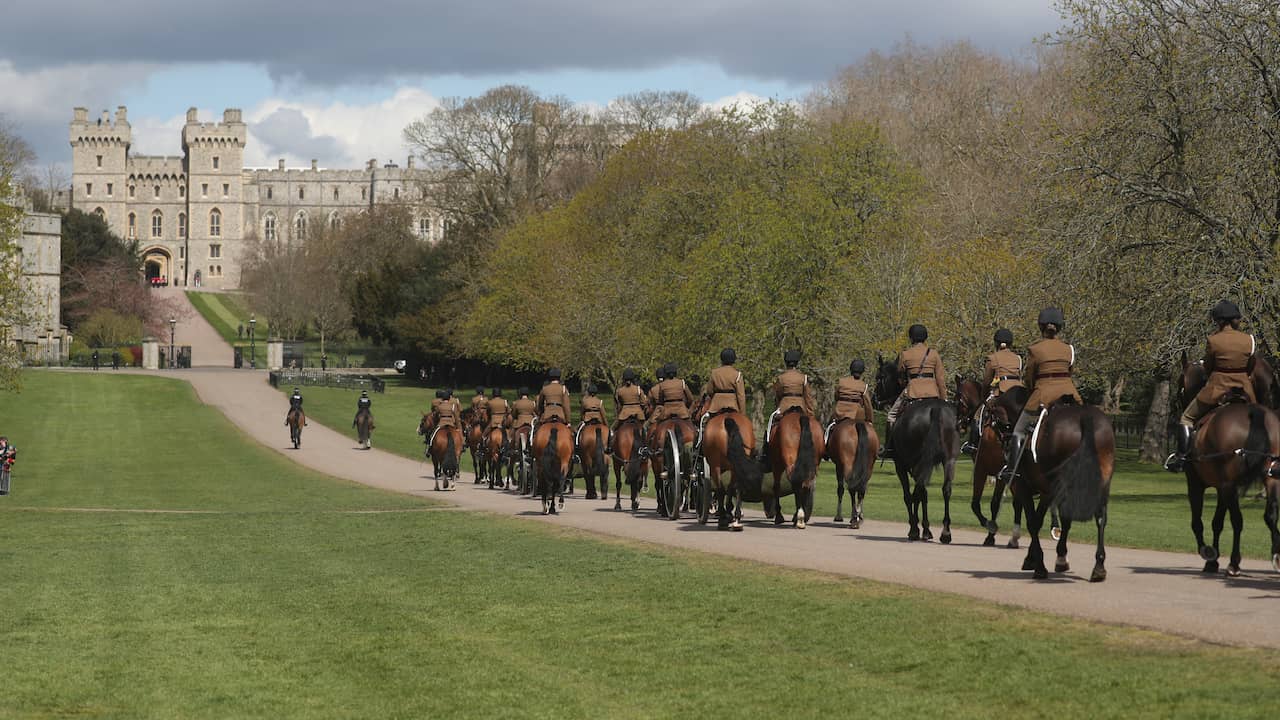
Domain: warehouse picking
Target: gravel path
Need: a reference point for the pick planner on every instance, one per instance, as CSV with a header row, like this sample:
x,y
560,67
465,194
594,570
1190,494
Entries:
x,y
1157,590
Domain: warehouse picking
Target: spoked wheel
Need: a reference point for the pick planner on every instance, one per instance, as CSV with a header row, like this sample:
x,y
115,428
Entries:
x,y
672,484
702,492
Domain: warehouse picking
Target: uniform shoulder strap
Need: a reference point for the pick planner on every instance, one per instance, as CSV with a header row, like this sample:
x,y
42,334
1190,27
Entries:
x,y
1073,354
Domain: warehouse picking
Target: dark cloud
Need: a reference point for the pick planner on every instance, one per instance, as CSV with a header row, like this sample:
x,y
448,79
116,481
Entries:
x,y
288,132
326,42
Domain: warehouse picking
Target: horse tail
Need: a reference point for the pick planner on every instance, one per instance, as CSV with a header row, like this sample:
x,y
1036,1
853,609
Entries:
x,y
930,448
449,466
599,453
804,467
862,462
634,461
746,470
1257,449
1080,479
550,460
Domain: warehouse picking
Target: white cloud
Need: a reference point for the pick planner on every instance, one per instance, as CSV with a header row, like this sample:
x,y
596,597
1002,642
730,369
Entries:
x,y
743,99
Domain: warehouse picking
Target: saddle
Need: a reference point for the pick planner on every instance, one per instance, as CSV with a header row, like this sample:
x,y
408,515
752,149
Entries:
x,y
1232,396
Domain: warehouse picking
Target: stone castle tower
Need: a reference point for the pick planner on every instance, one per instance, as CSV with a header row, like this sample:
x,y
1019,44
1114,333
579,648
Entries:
x,y
194,215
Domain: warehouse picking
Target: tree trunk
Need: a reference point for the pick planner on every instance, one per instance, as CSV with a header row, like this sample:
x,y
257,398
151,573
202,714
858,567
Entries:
x,y
1155,434
759,413
1112,398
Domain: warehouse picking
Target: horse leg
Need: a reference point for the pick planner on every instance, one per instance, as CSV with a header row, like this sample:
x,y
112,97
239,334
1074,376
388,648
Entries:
x,y
980,485
1062,565
1237,526
855,521
1219,514
908,501
1195,496
840,481
617,479
1035,554
948,476
1099,568
922,500
1270,516
737,507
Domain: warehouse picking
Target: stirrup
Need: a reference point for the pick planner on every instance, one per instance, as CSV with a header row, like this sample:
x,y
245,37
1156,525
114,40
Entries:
x,y
1175,462
1007,474
969,448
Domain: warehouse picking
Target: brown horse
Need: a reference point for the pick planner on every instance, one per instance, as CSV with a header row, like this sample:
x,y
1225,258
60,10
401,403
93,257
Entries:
x,y
492,444
729,449
852,446
1236,445
364,428
296,419
629,461
996,424
796,446
1068,463
475,421
672,463
552,455
445,445
592,441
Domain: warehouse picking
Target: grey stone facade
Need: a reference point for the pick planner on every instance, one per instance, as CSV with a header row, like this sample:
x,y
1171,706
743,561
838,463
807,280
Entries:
x,y
42,337
194,215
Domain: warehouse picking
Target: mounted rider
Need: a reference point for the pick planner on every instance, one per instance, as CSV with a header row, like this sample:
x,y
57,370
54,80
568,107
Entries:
x,y
448,413
791,391
853,399
631,402
674,394
499,411
1003,372
1047,374
479,403
724,391
592,411
920,368
363,404
295,403
554,399
435,404
1229,357
524,409
658,413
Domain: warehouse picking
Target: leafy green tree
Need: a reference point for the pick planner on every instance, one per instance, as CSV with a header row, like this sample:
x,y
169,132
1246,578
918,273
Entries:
x,y
87,246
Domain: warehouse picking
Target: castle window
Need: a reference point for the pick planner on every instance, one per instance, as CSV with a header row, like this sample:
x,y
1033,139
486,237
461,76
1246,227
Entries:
x,y
268,192
131,188
396,193
157,191
182,252
424,227
226,189
88,188
215,162
204,189
269,227
102,215
109,187
300,226
157,224
335,193
99,161
364,193
182,225
215,251
182,191
302,193
446,228
215,271
133,226
334,221
215,223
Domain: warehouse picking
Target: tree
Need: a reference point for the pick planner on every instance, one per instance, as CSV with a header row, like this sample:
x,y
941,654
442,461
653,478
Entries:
x,y
323,262
14,155
273,274
88,245
652,110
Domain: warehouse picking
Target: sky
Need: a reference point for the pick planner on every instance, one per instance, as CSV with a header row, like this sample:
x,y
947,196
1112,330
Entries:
x,y
338,81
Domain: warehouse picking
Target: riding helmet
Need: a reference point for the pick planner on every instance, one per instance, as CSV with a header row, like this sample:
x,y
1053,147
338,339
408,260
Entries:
x,y
479,390
628,375
1052,316
857,367
1225,311
728,356
592,389
524,391
1004,336
791,358
440,393
670,370
295,389
661,372
917,333
495,392
364,393
448,393
554,373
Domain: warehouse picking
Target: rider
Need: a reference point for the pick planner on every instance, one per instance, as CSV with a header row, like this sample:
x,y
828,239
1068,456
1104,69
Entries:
x,y
479,401
362,405
592,410
655,400
295,403
1228,363
725,388
553,399
674,394
1004,372
524,409
448,413
499,410
435,404
631,402
921,369
791,390
853,398
1050,364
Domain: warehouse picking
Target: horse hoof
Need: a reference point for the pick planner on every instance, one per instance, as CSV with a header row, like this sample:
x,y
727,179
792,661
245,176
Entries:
x,y
990,541
592,496
1061,566
1099,574
1028,564
1056,532
927,534
736,526
1040,573
855,524
946,538
618,506
1012,544
838,518
913,535
1233,571
1208,553
1211,567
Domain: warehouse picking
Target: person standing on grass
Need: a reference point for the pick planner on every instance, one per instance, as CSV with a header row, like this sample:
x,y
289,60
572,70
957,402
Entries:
x,y
8,455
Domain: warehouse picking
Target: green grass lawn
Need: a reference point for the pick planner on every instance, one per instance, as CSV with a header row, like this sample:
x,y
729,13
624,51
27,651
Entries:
x,y
276,606
1148,505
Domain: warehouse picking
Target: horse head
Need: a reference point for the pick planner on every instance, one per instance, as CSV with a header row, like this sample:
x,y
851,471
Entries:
x,y
968,397
1190,380
888,383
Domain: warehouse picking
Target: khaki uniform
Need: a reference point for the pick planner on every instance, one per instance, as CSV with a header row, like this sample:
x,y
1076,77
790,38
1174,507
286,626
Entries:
x,y
1004,371
525,410
631,402
499,409
1050,364
1228,356
921,367
592,409
554,402
791,390
675,397
726,390
655,402
448,413
853,401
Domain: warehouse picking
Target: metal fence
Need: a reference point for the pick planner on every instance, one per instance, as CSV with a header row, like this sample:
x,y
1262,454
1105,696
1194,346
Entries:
x,y
321,378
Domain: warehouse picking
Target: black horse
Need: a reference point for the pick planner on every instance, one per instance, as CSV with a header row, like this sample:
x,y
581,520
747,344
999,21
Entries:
x,y
925,436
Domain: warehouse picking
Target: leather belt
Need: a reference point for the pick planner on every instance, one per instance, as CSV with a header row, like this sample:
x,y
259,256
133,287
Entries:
x,y
726,392
792,395
913,376
1003,378
1232,371
1047,376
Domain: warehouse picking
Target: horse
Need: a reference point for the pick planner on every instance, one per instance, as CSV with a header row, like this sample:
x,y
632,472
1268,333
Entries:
x,y
493,442
364,428
728,449
925,435
1068,463
796,446
475,422
852,446
629,461
552,455
997,424
667,457
595,464
445,448
1236,446
295,420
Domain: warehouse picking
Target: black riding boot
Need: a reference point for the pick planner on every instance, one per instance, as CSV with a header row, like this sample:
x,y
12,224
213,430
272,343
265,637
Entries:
x,y
970,446
886,450
1011,458
1182,436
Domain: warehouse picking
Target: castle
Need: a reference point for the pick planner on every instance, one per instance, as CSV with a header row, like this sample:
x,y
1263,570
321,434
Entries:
x,y
194,215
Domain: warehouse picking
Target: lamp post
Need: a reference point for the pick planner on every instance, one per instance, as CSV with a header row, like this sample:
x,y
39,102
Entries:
x,y
253,356
173,324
